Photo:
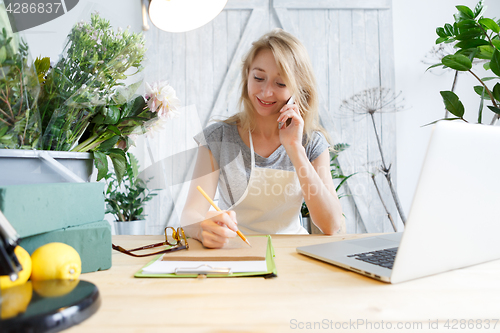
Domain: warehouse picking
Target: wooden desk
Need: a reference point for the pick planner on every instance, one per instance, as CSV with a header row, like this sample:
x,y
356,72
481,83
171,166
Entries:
x,y
305,291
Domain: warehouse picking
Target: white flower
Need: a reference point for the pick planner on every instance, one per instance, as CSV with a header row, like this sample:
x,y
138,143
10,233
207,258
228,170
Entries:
x,y
161,98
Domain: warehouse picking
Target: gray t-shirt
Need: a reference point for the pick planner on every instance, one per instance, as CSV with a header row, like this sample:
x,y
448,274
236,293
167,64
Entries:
x,y
233,157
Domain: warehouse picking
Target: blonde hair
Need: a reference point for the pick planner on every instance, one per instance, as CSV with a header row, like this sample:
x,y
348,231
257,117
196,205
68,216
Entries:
x,y
296,71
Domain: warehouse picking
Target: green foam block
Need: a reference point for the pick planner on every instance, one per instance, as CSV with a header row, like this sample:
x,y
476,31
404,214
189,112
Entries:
x,y
92,241
39,208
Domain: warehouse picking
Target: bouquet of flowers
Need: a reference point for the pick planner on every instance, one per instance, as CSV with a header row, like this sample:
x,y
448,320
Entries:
x,y
81,103
19,88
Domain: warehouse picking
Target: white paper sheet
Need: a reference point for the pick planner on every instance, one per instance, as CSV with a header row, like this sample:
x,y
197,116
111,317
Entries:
x,y
168,267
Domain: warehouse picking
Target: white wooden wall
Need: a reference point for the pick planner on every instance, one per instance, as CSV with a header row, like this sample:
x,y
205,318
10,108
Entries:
x,y
351,48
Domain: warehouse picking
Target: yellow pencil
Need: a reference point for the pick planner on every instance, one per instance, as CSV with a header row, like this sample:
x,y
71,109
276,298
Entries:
x,y
218,209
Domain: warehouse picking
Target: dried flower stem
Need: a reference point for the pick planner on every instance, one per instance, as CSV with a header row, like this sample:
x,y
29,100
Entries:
x,y
446,112
387,173
389,216
370,101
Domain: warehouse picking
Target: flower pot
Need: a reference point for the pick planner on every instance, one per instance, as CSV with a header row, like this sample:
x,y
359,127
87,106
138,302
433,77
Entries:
x,y
309,225
137,227
21,166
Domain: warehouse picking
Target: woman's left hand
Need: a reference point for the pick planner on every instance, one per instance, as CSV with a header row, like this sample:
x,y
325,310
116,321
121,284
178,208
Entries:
x,y
291,135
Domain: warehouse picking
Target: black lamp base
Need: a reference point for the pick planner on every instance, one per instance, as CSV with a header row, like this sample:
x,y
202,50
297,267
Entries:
x,y
47,306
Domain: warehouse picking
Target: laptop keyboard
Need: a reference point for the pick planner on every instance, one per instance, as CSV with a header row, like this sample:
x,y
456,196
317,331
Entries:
x,y
383,258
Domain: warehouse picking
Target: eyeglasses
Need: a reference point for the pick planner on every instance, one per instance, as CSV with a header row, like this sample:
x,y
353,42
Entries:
x,y
175,239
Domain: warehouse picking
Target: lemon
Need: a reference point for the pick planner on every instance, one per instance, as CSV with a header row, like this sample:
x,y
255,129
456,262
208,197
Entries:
x,y
55,261
15,300
54,288
23,276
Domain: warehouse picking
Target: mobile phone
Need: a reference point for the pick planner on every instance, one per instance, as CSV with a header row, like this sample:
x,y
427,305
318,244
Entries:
x,y
288,121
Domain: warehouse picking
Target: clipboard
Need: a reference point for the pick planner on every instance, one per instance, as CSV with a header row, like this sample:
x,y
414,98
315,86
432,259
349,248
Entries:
x,y
210,271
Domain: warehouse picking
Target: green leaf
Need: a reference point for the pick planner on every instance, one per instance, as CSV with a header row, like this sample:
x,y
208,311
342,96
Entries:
x,y
119,162
457,62
433,66
136,107
495,63
496,91
453,103
481,91
466,24
441,32
494,109
115,130
480,111
496,43
448,28
485,52
112,114
344,180
110,143
340,147
440,120
469,33
489,78
478,9
486,66
101,164
134,163
441,39
465,11
490,24
467,44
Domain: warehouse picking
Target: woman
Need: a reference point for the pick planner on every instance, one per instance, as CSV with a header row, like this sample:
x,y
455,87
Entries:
x,y
269,157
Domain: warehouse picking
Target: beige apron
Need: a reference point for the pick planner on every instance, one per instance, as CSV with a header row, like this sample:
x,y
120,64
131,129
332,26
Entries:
x,y
271,202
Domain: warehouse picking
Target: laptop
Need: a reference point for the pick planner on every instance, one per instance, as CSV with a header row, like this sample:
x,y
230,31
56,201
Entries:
x,y
454,220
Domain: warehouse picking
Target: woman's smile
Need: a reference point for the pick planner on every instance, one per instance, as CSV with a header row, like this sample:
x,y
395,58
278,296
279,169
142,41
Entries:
x,y
265,103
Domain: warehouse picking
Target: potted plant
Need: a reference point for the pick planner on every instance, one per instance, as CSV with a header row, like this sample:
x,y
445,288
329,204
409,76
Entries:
x,y
336,172
79,104
476,39
126,199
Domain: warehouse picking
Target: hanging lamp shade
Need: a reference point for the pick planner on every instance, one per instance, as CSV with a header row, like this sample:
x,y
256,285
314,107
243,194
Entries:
x,y
183,15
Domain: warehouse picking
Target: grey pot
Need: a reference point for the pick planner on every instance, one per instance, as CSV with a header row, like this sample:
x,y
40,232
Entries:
x,y
309,225
130,227
20,166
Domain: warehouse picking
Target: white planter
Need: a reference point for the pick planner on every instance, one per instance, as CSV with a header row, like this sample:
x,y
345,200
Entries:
x,y
21,166
130,227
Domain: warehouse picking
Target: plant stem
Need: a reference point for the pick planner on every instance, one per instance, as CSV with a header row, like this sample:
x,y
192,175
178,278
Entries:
x,y
6,101
80,147
496,116
6,115
5,122
486,34
485,87
383,203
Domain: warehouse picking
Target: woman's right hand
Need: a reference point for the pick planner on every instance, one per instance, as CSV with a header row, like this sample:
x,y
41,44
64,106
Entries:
x,y
218,227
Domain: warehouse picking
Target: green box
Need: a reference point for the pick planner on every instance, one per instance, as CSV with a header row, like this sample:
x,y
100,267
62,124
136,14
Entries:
x,y
92,241
39,208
